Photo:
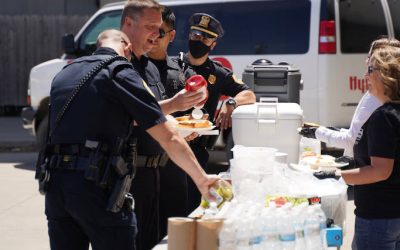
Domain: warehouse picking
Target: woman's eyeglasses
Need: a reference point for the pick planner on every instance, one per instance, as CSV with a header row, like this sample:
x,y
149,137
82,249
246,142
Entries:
x,y
163,33
371,69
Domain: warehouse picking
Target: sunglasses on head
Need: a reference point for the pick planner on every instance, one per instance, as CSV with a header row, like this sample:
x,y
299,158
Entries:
x,y
371,69
163,33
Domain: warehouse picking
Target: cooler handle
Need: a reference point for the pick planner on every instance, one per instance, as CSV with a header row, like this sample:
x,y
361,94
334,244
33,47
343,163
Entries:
x,y
269,99
267,102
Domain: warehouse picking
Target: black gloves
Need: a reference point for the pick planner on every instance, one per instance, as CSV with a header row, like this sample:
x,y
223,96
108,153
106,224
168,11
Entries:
x,y
325,174
332,173
308,132
346,159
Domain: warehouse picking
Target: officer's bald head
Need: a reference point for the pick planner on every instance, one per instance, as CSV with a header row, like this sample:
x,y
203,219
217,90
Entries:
x,y
116,40
112,36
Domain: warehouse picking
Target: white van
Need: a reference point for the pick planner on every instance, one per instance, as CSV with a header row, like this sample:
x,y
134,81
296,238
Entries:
x,y
328,40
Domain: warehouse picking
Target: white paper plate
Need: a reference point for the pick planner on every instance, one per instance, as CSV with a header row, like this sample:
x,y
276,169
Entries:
x,y
306,169
195,129
303,169
341,164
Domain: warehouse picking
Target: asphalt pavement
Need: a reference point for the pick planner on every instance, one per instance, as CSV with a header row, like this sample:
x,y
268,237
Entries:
x,y
13,137
22,221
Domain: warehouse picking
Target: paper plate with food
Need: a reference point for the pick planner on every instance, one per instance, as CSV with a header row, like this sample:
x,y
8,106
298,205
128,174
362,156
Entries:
x,y
186,125
314,163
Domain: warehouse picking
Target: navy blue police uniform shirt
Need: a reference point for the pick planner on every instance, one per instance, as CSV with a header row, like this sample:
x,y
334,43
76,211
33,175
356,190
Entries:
x,y
104,108
151,81
380,137
221,81
173,77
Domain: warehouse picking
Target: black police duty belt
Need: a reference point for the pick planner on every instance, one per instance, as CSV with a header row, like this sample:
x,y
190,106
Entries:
x,y
151,161
69,156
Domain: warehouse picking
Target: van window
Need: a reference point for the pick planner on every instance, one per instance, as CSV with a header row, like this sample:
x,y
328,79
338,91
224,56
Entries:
x,y
361,22
108,20
251,27
394,6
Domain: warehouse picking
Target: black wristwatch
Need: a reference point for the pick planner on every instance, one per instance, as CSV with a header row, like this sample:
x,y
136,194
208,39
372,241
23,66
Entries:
x,y
231,102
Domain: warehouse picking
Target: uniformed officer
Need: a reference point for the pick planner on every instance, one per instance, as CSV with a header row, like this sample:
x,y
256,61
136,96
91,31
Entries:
x,y
93,103
205,30
173,181
141,21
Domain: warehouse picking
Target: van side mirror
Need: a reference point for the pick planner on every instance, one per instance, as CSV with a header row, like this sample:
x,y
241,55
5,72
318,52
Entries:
x,y
68,43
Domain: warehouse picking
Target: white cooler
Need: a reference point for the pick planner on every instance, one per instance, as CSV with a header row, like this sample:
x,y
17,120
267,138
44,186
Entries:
x,y
269,125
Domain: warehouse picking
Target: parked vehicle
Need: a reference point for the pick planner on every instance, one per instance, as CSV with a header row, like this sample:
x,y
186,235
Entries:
x,y
327,40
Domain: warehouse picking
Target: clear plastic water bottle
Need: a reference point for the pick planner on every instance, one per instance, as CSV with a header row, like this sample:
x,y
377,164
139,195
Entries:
x,y
243,235
227,236
322,224
257,238
298,222
312,230
270,229
287,235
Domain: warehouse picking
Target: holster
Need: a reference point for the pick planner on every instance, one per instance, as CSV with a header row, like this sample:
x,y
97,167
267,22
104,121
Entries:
x,y
42,173
120,191
124,172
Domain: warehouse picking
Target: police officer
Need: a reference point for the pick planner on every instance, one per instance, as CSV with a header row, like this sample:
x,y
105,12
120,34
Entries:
x,y
173,182
141,21
93,103
205,30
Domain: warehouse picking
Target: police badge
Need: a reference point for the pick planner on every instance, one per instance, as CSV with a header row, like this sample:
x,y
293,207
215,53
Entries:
x,y
205,20
212,79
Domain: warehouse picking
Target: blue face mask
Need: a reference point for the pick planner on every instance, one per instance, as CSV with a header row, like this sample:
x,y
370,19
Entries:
x,y
198,49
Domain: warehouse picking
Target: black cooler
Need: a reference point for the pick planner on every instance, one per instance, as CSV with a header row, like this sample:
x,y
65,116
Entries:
x,y
273,80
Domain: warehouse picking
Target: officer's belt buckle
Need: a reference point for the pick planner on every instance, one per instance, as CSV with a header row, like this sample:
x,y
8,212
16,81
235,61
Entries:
x,y
163,160
66,158
152,161
70,162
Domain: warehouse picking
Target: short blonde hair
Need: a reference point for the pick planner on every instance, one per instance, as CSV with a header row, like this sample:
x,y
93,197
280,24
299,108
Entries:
x,y
387,61
134,8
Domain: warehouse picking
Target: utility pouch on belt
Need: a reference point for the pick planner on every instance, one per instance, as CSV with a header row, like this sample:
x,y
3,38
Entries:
x,y
96,161
42,173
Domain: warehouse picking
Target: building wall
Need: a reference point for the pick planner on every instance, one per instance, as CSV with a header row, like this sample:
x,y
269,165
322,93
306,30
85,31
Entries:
x,y
26,41
48,7
31,33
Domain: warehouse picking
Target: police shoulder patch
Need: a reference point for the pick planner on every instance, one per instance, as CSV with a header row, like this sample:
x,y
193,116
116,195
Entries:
x,y
219,65
236,80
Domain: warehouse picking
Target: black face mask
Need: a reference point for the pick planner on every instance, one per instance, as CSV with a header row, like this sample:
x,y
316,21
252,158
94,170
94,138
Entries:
x,y
198,48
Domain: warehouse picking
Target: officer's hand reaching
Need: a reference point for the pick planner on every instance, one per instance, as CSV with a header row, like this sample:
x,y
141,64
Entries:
x,y
346,159
224,119
184,100
308,132
192,136
205,184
